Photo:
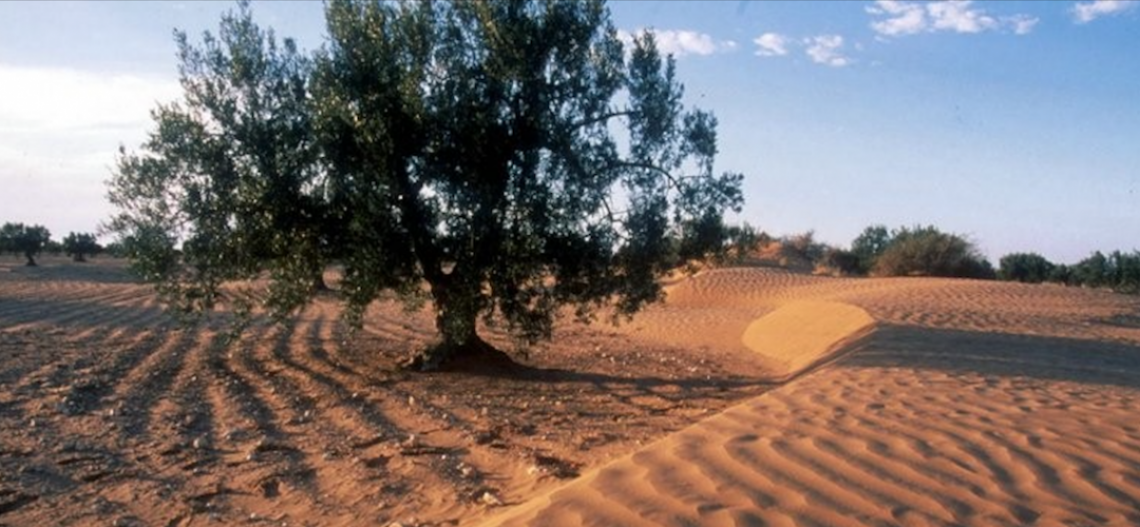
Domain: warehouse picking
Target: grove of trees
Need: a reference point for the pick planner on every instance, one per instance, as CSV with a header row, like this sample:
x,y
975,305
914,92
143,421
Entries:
x,y
1118,270
513,156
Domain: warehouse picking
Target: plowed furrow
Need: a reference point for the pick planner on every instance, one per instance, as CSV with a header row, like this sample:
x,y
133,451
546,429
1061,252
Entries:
x,y
41,312
150,384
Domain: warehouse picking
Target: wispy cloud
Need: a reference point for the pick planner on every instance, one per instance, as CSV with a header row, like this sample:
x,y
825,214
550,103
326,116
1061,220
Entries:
x,y
821,49
901,18
1023,24
1085,12
681,42
826,49
771,45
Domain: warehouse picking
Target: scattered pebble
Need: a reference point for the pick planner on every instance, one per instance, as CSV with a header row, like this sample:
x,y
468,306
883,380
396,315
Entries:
x,y
491,500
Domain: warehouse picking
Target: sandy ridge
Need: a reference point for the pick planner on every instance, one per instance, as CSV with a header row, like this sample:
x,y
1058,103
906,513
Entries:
x,y
972,403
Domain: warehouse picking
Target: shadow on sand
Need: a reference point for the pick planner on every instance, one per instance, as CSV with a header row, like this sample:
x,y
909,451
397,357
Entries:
x,y
1047,358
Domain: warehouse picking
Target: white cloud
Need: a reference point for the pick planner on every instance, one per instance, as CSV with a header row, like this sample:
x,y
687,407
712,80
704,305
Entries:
x,y
957,16
681,42
825,49
1022,24
1085,12
771,45
903,18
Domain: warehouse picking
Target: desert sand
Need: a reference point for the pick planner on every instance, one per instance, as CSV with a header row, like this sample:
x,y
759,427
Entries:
x,y
752,396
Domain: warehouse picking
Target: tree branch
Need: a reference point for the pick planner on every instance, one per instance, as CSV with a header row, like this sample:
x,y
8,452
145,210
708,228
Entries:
x,y
602,118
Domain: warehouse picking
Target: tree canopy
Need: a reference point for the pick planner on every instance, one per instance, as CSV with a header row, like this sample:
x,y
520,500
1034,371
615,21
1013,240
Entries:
x,y
927,251
513,156
80,245
27,240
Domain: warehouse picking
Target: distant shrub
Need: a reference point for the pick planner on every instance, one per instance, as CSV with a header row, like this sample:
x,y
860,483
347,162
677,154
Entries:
x,y
1124,272
1092,271
1062,274
708,240
116,249
926,251
838,262
869,245
1030,268
741,241
803,247
1118,271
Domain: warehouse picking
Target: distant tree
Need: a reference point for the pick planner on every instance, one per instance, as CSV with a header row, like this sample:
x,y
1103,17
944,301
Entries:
x,y
804,246
1025,267
869,245
839,262
1125,271
741,241
1062,274
1093,271
80,245
926,251
471,146
23,239
116,249
52,247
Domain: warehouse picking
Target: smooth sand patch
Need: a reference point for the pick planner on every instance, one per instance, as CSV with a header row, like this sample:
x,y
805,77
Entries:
x,y
805,333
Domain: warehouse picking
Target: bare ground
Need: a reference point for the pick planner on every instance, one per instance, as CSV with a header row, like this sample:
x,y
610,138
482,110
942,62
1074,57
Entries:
x,y
112,414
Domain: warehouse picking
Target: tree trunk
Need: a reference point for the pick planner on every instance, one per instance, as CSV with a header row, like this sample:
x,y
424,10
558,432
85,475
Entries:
x,y
457,311
319,284
78,257
31,260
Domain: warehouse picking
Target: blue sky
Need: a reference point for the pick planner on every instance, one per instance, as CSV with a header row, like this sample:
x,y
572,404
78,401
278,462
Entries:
x,y
1016,123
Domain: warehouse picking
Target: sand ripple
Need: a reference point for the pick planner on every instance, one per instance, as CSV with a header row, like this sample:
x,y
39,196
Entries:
x,y
971,403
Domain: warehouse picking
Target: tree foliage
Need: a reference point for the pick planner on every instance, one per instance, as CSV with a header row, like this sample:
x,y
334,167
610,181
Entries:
x,y
926,251
27,240
869,245
514,156
1025,267
80,245
1119,271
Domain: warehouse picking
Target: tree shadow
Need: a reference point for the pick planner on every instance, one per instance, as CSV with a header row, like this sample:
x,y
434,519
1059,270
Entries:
x,y
1047,358
499,368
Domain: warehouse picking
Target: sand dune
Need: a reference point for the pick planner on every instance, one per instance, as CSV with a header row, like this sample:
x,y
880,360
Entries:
x,y
1023,416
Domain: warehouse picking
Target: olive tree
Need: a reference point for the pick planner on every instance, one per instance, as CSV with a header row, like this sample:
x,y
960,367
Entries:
x,y
27,240
79,245
505,159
